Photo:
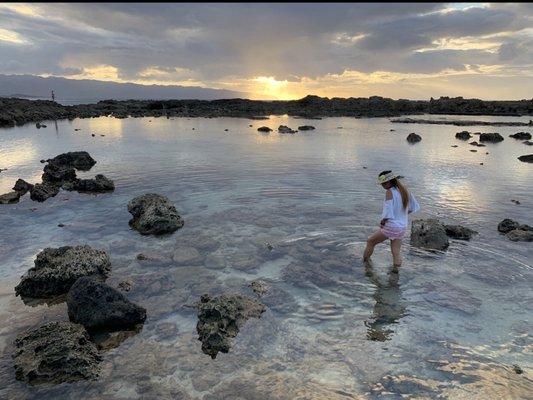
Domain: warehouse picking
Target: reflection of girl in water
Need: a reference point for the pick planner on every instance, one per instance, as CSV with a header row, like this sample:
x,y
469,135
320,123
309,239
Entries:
x,y
397,205
389,306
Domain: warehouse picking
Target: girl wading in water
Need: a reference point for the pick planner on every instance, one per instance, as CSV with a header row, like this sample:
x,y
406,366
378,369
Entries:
x,y
398,204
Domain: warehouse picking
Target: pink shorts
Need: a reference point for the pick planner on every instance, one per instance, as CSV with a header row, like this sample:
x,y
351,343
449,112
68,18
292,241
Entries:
x,y
393,232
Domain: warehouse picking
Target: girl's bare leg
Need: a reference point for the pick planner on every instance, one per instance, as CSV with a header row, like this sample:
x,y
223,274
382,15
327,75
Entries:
x,y
396,246
374,239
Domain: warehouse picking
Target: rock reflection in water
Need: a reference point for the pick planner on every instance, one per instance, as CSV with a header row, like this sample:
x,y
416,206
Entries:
x,y
389,307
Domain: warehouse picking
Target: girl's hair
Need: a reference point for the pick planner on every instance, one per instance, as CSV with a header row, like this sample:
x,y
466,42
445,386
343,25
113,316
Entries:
x,y
403,190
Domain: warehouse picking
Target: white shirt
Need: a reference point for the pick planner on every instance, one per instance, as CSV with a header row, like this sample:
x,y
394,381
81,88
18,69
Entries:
x,y
393,209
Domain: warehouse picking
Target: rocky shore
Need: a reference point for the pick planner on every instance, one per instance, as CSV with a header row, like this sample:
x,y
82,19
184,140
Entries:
x,y
15,111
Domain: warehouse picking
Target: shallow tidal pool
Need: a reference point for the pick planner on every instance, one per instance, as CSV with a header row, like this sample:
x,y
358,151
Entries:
x,y
449,325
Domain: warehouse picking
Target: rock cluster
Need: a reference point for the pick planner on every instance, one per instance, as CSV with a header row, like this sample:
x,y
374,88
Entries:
x,y
459,232
220,318
413,138
285,129
153,214
57,269
490,137
521,136
463,135
55,352
515,231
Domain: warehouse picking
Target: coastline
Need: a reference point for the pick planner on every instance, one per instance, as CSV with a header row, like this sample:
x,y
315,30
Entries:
x,y
14,111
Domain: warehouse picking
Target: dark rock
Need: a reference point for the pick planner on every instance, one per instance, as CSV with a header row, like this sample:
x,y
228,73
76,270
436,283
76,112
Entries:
x,y
58,173
519,235
125,285
528,142
459,232
521,135
517,369
473,151
454,145
10,198
42,191
99,184
429,234
220,318
285,129
507,225
463,135
491,137
98,306
153,214
55,352
22,186
526,158
61,225
306,128
56,270
413,138
38,125
80,160
474,143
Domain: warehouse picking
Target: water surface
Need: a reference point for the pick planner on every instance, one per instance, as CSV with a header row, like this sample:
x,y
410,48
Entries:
x,y
449,324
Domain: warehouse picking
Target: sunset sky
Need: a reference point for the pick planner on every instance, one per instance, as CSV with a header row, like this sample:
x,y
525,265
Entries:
x,y
281,51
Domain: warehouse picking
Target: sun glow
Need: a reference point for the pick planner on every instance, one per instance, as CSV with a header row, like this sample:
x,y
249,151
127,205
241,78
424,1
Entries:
x,y
269,87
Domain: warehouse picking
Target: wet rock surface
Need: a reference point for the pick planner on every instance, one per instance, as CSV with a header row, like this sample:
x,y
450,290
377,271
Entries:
x,y
413,138
429,234
54,353
42,191
459,232
306,128
153,214
56,270
285,129
220,318
463,135
526,158
22,187
264,129
98,306
10,198
100,184
507,225
521,135
490,137
519,235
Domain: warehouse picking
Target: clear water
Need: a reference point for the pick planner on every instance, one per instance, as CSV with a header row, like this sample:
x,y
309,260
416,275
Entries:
x,y
449,325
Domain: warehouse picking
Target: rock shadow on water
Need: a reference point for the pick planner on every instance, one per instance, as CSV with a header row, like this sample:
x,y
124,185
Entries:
x,y
389,307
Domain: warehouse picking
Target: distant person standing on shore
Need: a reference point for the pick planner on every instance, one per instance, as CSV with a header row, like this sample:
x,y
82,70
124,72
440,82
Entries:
x,y
398,204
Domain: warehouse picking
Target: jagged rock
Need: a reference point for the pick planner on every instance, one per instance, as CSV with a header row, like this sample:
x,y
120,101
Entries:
x,y
264,129
507,225
463,135
519,235
220,318
413,138
42,191
285,129
490,137
98,306
429,234
56,270
55,352
459,232
526,158
521,135
58,173
306,128
153,214
99,184
10,198
22,186
80,160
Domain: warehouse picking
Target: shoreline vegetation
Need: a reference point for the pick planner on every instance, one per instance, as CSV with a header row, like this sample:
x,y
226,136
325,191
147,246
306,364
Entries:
x,y
15,111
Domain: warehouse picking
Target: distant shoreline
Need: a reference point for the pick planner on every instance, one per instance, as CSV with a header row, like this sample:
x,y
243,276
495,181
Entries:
x,y
14,111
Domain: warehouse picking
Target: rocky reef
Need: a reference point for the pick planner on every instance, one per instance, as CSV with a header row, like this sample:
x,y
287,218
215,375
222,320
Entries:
x,y
220,318
54,353
153,214
56,270
515,231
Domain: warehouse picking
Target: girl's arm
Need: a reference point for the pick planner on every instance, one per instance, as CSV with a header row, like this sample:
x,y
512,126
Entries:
x,y
413,204
387,212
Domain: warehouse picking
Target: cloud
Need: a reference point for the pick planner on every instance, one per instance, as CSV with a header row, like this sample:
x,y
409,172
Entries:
x,y
217,45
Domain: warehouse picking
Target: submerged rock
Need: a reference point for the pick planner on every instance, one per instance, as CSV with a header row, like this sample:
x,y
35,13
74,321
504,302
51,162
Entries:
x,y
490,137
55,352
413,138
10,198
220,318
526,158
459,232
429,234
99,184
260,288
153,214
463,135
56,270
521,135
285,129
98,306
264,129
306,128
519,235
42,191
22,186
474,143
